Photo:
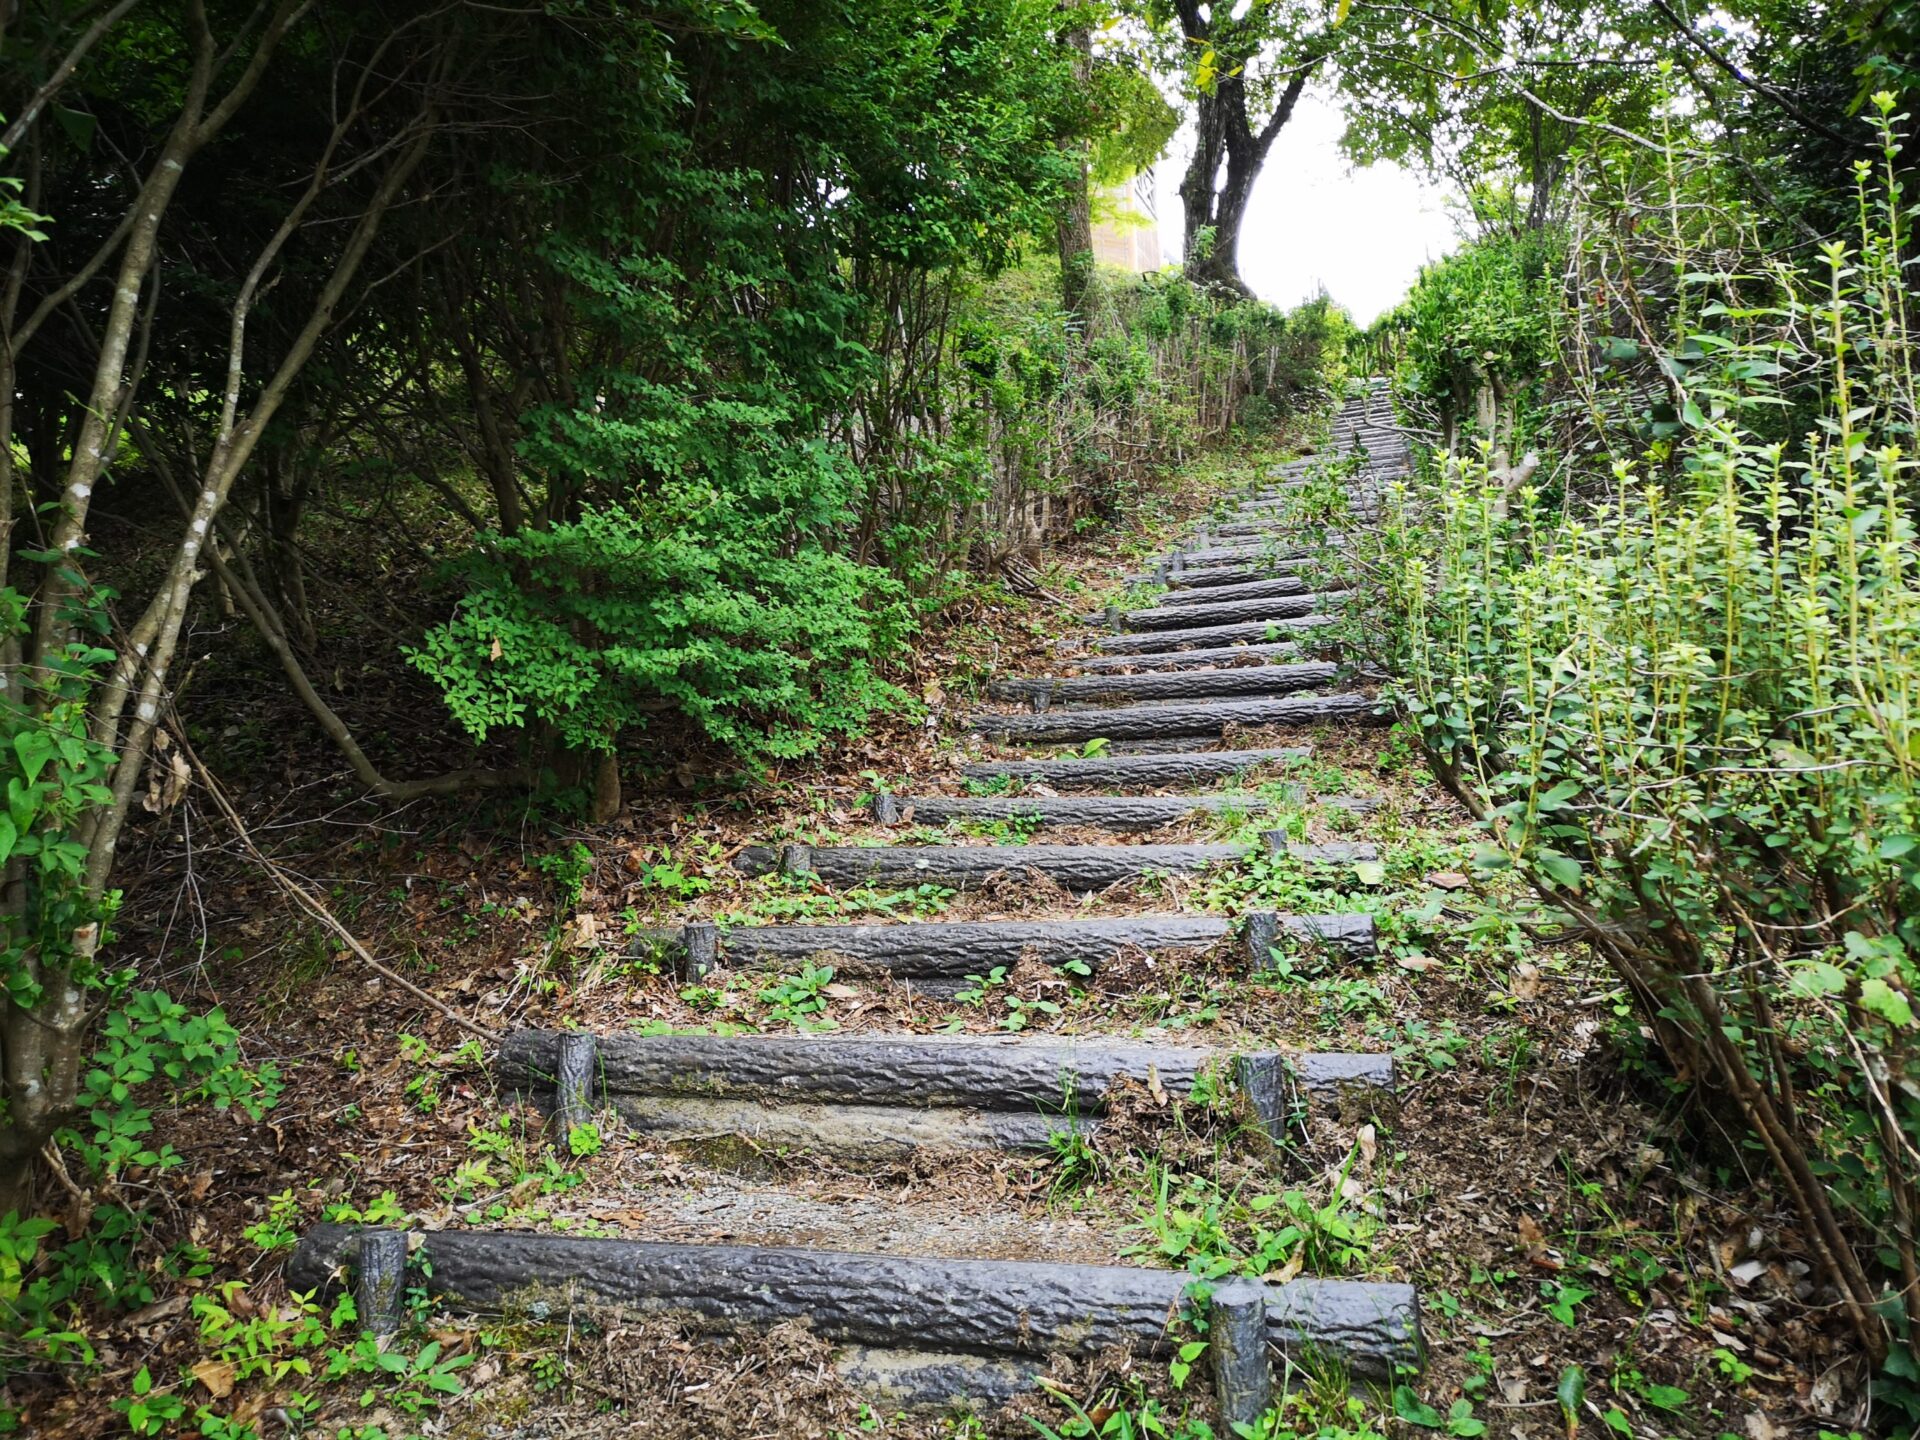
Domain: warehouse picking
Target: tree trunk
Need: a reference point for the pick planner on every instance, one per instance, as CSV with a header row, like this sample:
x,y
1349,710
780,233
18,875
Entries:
x,y
1074,224
1228,154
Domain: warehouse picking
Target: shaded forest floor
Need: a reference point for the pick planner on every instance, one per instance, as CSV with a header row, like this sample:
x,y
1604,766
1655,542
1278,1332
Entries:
x,y
1561,1221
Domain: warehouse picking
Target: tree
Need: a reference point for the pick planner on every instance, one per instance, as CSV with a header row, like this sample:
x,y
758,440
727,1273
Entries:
x,y
1243,70
141,131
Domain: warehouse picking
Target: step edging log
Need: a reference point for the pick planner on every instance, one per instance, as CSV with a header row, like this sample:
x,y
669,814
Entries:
x,y
1224,656
999,1308
1075,867
1174,719
1123,770
874,1095
947,952
1106,812
1229,612
1175,685
1263,630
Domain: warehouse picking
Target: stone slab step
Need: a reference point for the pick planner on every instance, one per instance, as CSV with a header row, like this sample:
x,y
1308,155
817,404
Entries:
x,y
1212,635
1229,612
1179,685
1076,867
939,955
878,1098
1074,772
1207,658
981,1328
1129,722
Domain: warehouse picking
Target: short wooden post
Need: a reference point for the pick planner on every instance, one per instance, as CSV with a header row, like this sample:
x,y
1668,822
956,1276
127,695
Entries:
x,y
379,1279
1237,1340
576,1073
1263,1080
701,941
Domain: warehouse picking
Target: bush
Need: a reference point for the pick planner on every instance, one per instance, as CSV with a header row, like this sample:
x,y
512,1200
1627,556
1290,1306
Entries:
x,y
1685,704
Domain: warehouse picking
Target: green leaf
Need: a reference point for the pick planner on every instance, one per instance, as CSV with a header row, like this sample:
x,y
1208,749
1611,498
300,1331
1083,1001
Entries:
x,y
1369,872
34,748
1816,977
1412,1409
1880,998
1563,870
1664,1397
1461,1421
1572,1393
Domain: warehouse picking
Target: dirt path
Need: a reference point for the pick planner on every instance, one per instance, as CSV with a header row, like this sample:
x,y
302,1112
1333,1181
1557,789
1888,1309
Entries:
x,y
1174,973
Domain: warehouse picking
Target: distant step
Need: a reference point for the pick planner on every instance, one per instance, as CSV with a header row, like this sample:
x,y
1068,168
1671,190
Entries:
x,y
1244,680
1139,722
1228,612
1267,630
1076,867
939,955
1235,656
1096,812
1244,590
1072,772
977,1328
1240,553
1200,577
877,1098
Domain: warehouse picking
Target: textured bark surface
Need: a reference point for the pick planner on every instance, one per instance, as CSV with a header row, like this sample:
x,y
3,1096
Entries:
x,y
1044,1076
971,1307
1245,680
1134,722
1205,576
1204,658
1073,773
1156,640
1106,812
1209,556
1229,612
950,951
1245,590
1078,867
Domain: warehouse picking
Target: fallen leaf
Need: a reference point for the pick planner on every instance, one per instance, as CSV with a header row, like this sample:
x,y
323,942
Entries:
x,y
1416,962
840,992
1448,880
217,1376
1154,1087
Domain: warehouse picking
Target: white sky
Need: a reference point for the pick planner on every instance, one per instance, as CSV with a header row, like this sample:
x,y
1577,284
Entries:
x,y
1317,222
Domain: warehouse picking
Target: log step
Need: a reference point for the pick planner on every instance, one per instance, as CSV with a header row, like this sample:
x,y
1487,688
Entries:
x,y
1103,812
1219,655
1228,612
939,955
1206,576
1179,685
1076,867
1245,590
1136,722
1072,772
1211,635
878,1098
980,1327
